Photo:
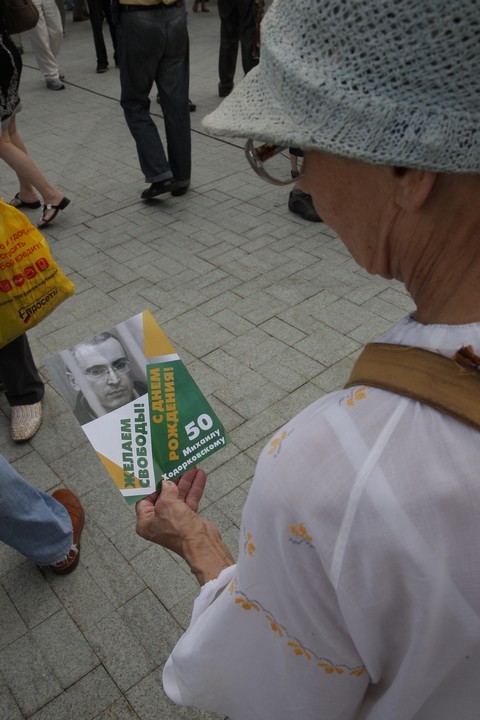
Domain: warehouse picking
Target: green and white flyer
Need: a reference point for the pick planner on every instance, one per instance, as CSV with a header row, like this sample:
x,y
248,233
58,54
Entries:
x,y
137,403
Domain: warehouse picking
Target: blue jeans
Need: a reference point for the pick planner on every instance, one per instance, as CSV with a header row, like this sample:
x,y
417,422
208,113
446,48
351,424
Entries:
x,y
32,522
153,48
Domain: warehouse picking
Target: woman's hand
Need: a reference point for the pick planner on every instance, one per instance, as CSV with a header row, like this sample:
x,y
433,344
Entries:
x,y
169,518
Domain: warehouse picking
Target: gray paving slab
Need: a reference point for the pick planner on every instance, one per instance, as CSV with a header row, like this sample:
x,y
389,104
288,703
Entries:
x,y
12,626
8,707
33,599
122,655
65,648
29,676
86,699
268,311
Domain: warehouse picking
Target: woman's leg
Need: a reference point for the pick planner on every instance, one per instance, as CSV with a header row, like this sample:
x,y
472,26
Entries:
x,y
14,153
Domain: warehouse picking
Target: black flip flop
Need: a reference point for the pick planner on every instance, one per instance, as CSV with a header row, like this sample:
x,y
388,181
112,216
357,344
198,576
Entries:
x,y
61,206
24,204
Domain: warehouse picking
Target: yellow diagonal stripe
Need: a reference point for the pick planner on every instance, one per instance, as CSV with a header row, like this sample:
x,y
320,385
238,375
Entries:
x,y
116,472
155,342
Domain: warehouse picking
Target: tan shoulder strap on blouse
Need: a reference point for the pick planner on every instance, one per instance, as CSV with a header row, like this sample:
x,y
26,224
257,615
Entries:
x,y
450,385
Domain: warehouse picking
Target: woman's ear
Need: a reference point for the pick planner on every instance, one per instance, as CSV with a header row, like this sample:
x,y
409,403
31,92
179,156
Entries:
x,y
413,187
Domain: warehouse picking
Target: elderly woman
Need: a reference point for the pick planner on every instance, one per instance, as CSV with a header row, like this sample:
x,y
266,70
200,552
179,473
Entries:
x,y
357,589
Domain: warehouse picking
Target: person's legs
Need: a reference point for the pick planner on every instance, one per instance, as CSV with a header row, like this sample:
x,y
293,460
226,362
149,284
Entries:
x,y
246,22
27,191
172,82
32,522
54,26
141,44
24,388
40,40
96,20
19,374
63,12
14,153
79,11
107,11
95,8
229,39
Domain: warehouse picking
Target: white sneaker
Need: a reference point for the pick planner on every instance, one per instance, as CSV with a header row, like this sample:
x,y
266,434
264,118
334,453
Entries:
x,y
55,85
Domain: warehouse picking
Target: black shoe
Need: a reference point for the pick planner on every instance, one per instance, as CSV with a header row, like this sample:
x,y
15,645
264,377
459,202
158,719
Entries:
x,y
102,67
177,192
159,188
301,204
224,91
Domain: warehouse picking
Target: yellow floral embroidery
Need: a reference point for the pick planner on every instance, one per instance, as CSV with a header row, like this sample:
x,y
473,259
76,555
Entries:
x,y
276,443
232,586
246,604
249,545
300,532
300,650
355,395
275,627
329,669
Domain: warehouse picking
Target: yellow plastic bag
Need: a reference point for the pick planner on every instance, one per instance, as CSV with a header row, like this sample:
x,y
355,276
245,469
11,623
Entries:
x,y
31,283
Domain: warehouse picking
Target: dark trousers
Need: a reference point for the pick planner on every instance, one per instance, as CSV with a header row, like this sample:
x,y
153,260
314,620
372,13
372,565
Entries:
x,y
153,48
19,374
98,10
79,9
237,25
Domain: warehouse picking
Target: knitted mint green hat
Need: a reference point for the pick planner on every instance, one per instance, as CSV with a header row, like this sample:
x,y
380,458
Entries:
x,y
395,82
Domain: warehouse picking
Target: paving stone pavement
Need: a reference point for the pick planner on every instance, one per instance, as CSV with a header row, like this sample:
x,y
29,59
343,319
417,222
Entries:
x,y
268,311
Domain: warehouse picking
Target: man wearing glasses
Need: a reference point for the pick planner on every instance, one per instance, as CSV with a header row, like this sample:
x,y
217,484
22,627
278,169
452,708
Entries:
x,y
100,371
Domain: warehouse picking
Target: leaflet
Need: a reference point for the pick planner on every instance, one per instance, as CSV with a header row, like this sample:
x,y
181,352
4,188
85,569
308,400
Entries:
x,y
137,403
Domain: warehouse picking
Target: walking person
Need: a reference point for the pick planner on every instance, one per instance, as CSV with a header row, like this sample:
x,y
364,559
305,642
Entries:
x,y
100,11
153,47
46,39
237,28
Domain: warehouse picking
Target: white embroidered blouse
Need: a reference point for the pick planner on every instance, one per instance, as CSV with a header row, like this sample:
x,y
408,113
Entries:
x,y
357,590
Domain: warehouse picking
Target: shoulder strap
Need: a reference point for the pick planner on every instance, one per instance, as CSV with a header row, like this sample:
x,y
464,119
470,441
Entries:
x,y
441,382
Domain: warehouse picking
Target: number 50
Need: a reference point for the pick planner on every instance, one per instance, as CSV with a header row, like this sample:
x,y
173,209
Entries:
x,y
204,422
